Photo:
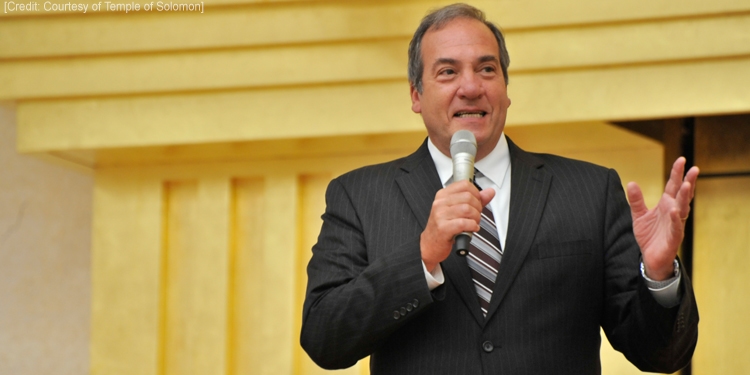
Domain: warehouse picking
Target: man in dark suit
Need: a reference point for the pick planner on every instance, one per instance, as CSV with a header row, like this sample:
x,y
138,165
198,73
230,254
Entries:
x,y
569,256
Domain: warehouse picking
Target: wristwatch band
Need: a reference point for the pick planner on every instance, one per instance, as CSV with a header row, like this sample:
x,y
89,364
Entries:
x,y
653,284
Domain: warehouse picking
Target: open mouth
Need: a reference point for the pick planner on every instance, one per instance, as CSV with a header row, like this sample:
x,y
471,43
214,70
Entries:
x,y
468,114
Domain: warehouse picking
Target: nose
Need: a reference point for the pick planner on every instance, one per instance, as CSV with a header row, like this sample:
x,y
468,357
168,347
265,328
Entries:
x,y
470,86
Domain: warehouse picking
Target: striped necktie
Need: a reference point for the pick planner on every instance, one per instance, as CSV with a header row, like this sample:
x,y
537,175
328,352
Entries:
x,y
485,254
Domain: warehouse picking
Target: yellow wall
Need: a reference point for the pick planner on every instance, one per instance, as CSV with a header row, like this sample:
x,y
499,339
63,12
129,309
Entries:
x,y
722,235
260,70
210,279
45,256
212,136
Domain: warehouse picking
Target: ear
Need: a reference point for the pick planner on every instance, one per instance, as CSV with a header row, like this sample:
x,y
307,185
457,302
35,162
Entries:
x,y
416,106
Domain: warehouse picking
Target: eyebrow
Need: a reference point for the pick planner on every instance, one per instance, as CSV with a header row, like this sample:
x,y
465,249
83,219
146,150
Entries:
x,y
487,58
450,61
444,60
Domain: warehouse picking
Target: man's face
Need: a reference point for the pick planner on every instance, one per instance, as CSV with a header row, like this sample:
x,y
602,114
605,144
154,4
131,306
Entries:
x,y
462,85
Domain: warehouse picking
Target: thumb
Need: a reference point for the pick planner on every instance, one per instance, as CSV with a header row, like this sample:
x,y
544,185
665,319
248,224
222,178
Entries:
x,y
487,195
637,204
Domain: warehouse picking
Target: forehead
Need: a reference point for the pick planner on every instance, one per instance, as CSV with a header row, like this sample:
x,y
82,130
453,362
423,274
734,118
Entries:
x,y
460,37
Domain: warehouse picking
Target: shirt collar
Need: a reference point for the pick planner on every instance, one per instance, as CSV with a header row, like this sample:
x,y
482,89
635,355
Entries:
x,y
493,166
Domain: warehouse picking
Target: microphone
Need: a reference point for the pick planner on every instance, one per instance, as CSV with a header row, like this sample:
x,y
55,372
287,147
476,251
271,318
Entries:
x,y
463,152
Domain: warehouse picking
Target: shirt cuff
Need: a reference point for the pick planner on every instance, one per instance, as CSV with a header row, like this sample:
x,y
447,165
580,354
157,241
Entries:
x,y
666,292
434,279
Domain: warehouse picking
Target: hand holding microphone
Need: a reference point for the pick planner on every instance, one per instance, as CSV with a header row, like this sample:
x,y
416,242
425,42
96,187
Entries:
x,y
456,209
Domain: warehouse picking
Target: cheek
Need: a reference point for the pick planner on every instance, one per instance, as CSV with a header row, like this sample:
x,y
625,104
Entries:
x,y
434,105
442,96
501,98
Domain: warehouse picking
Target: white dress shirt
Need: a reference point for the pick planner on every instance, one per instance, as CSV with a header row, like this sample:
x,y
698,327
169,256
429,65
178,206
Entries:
x,y
495,173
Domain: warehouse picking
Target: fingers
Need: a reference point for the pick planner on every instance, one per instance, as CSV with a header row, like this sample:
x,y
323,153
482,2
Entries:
x,y
685,187
686,193
691,177
460,186
456,208
678,228
637,204
682,189
459,193
675,177
487,195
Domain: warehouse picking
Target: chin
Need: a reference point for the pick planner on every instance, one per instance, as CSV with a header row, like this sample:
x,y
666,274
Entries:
x,y
488,138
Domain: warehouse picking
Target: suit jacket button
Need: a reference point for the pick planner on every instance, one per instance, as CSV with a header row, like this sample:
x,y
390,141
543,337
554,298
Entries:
x,y
415,303
409,307
396,315
488,347
403,311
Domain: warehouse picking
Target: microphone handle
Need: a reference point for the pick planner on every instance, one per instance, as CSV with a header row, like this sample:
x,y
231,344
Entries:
x,y
463,169
462,243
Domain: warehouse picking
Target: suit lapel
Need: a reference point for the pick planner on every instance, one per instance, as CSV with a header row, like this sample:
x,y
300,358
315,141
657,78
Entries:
x,y
419,185
530,184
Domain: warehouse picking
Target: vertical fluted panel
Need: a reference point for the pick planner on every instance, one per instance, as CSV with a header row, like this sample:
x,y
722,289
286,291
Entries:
x,y
195,277
125,270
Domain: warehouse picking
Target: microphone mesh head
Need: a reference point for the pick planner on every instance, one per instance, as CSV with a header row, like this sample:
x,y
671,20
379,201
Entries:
x,y
463,141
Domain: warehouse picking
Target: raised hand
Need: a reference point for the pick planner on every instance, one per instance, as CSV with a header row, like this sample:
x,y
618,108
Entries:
x,y
659,231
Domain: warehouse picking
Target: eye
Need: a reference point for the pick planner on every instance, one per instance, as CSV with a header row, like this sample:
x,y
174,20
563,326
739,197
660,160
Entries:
x,y
488,69
447,71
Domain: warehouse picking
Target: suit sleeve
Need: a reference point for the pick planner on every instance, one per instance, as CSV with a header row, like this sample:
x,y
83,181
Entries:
x,y
354,298
650,336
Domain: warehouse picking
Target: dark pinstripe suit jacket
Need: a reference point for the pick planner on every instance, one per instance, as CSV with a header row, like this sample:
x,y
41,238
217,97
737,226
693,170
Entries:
x,y
571,265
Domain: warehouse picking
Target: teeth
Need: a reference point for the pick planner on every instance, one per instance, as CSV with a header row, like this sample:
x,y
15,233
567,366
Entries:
x,y
470,114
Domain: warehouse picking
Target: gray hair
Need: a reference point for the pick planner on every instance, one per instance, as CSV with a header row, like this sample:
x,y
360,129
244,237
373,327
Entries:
x,y
437,19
